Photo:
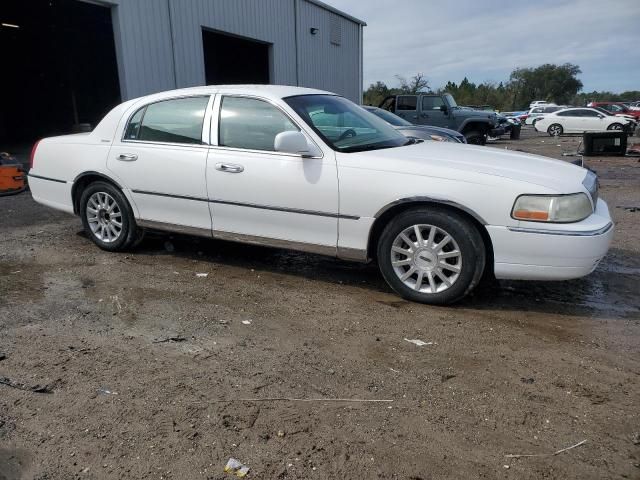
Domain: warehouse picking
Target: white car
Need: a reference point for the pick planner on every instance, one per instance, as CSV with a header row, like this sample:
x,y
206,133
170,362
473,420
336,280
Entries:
x,y
538,112
248,164
541,103
579,120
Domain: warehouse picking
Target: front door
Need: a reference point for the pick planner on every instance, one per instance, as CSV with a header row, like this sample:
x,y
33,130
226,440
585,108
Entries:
x,y
161,158
432,113
262,196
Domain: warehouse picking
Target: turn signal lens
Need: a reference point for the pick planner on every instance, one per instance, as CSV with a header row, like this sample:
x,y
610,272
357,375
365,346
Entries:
x,y
547,208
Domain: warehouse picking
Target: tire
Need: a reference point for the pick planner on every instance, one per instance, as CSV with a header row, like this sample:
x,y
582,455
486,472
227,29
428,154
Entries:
x,y
102,208
616,126
475,137
533,123
464,269
555,130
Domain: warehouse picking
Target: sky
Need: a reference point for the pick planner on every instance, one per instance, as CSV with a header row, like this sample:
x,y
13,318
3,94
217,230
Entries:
x,y
485,40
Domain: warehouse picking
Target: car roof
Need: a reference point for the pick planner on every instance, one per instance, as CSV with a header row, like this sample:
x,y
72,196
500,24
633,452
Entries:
x,y
267,91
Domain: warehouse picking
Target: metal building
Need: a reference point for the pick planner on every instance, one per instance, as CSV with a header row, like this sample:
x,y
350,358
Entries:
x,y
78,58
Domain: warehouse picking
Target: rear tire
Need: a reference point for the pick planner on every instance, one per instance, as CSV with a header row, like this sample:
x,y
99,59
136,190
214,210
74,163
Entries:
x,y
431,256
475,137
107,217
555,130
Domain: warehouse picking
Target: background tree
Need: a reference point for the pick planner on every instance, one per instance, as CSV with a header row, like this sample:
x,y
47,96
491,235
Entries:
x,y
416,84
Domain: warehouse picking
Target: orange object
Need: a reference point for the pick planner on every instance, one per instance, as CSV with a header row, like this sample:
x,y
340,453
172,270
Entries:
x,y
530,215
12,178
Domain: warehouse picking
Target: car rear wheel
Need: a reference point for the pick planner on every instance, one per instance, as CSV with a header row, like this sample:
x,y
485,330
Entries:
x,y
615,126
431,256
475,137
107,217
555,130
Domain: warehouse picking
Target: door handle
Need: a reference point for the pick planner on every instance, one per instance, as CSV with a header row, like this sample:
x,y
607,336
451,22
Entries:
x,y
127,157
229,167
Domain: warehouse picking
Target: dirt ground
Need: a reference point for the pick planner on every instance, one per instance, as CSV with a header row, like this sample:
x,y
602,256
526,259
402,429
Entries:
x,y
157,373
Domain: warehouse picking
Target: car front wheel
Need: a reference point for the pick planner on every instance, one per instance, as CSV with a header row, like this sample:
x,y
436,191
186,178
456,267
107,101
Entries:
x,y
107,217
431,256
615,126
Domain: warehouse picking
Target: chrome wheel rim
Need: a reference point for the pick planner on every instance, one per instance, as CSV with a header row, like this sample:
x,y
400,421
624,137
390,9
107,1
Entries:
x,y
104,217
555,130
615,126
426,259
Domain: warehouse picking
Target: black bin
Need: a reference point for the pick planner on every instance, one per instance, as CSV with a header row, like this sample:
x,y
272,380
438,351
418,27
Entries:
x,y
610,143
515,132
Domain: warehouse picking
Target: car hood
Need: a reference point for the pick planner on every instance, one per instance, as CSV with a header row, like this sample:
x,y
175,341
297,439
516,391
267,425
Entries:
x,y
471,162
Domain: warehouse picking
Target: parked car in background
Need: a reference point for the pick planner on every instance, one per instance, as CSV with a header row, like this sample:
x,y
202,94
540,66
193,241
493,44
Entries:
x,y
540,103
579,120
537,112
424,132
617,108
260,165
442,111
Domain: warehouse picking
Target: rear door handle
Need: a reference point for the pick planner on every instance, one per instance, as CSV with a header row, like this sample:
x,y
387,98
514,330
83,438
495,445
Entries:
x,y
229,167
127,157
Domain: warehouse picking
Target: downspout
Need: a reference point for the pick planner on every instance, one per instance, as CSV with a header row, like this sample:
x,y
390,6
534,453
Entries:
x,y
173,45
297,34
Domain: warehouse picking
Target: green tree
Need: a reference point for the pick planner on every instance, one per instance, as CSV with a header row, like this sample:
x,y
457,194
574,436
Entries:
x,y
376,93
554,83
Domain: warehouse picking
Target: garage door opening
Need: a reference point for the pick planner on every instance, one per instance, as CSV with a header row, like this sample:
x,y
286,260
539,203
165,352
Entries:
x,y
59,68
232,60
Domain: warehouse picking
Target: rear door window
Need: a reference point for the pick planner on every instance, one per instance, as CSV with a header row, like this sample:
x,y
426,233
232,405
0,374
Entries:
x,y
406,102
177,120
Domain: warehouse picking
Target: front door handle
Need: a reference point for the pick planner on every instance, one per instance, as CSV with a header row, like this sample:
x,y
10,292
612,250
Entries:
x,y
229,167
127,157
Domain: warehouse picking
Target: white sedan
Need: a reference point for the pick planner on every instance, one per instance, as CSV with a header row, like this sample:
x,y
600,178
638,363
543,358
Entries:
x,y
579,120
258,164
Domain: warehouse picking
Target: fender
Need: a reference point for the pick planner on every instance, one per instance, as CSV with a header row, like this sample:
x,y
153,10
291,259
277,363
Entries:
x,y
440,201
469,120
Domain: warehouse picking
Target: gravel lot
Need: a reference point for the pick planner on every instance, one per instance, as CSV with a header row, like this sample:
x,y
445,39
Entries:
x,y
155,372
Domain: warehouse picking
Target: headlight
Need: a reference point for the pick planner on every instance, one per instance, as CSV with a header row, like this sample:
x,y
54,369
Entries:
x,y
549,208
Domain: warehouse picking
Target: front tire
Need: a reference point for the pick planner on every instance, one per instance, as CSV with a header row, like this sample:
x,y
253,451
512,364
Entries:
x,y
615,126
555,130
107,217
475,137
431,256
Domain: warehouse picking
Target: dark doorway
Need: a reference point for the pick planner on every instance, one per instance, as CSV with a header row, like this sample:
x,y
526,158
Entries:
x,y
232,60
58,68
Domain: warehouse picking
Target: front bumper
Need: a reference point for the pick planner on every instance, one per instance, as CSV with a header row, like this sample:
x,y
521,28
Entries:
x,y
552,252
497,131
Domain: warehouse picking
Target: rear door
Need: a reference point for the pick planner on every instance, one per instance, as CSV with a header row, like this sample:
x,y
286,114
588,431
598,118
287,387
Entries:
x,y
161,157
431,112
407,108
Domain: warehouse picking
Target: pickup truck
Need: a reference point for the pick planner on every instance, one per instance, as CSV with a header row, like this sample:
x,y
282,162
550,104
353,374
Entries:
x,y
443,111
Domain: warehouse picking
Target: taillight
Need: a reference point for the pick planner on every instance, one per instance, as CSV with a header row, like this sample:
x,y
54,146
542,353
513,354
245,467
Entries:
x,y
33,154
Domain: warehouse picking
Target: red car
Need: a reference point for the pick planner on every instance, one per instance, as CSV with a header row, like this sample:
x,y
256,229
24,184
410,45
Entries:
x,y
617,108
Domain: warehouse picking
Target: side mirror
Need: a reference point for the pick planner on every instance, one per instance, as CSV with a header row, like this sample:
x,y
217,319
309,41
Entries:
x,y
295,143
443,108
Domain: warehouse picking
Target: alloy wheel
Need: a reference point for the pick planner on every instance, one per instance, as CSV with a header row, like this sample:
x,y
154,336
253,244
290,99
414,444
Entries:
x,y
426,258
104,216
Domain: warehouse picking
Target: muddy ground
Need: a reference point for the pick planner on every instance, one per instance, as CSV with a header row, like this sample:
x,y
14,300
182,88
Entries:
x,y
156,373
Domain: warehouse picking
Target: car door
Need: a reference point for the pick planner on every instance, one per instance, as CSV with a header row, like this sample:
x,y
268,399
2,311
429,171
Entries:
x,y
407,108
592,121
432,113
259,195
161,157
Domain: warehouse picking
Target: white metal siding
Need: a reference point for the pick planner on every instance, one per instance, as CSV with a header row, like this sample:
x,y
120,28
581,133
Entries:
x,y
159,42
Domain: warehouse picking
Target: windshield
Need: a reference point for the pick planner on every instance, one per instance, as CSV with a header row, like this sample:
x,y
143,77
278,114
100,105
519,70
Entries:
x,y
452,103
345,126
389,117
